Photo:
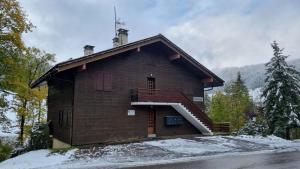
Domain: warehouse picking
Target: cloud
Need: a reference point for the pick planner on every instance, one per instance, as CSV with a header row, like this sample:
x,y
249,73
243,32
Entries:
x,y
217,33
235,34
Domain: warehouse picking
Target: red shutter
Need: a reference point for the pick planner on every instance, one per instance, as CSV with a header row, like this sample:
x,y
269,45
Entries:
x,y
107,85
99,81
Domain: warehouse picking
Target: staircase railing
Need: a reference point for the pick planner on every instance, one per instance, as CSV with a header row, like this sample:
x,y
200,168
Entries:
x,y
170,96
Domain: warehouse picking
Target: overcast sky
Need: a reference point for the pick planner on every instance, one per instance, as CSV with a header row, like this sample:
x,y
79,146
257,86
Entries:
x,y
219,33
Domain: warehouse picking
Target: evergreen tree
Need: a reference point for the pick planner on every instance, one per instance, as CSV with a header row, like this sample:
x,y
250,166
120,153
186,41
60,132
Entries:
x,y
240,102
281,94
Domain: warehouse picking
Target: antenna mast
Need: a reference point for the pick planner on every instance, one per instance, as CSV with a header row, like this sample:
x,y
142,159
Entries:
x,y
115,20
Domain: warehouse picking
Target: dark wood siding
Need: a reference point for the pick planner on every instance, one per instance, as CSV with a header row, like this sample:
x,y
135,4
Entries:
x,y
163,130
60,106
101,115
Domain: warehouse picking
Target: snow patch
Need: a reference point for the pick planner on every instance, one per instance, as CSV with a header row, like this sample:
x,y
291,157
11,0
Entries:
x,y
37,159
152,152
189,146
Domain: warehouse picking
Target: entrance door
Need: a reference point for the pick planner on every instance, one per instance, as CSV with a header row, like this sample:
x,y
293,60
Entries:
x,y
151,123
151,85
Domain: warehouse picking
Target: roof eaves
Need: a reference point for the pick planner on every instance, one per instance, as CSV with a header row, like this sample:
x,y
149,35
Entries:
x,y
60,66
192,59
44,77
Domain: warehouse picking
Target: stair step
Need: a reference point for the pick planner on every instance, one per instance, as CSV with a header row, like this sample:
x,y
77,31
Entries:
x,y
201,126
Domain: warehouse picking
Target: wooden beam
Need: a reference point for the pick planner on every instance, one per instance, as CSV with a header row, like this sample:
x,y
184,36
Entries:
x,y
207,80
195,64
174,57
96,57
82,67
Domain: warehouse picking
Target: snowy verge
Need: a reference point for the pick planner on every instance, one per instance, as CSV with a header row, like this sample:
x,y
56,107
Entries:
x,y
37,159
152,152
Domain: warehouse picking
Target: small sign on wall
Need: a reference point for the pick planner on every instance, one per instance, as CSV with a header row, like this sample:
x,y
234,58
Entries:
x,y
131,112
198,99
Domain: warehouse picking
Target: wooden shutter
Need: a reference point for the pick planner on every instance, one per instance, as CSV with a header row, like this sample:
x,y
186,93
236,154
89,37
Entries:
x,y
60,118
66,122
107,85
99,81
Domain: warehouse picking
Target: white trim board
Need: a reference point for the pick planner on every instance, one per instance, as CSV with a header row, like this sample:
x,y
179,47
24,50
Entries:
x,y
183,111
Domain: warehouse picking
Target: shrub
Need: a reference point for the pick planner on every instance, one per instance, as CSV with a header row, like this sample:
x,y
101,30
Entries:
x,y
39,137
5,151
253,128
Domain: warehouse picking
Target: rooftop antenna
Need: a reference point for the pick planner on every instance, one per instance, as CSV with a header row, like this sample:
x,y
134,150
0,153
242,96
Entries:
x,y
121,34
115,20
118,23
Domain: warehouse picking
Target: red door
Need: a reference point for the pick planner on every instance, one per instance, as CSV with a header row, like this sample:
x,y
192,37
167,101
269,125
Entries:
x,y
151,122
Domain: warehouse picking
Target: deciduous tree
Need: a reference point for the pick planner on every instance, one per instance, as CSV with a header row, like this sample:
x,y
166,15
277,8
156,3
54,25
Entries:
x,y
13,23
29,103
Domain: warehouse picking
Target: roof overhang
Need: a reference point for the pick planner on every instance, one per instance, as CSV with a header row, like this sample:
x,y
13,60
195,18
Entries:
x,y
213,80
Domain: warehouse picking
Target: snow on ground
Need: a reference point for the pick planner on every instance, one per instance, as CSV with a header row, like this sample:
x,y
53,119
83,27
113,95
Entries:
x,y
272,141
37,159
151,152
189,146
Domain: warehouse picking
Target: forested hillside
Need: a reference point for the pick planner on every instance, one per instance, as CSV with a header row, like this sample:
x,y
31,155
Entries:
x,y
253,75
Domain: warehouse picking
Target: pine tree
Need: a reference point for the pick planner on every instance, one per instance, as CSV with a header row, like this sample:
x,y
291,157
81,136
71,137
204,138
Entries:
x,y
240,102
281,94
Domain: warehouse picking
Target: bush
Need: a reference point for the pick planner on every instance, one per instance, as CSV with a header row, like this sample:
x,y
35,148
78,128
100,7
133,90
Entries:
x,y
5,151
39,137
253,128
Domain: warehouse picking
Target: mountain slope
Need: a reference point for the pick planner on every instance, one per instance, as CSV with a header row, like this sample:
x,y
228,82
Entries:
x,y
253,75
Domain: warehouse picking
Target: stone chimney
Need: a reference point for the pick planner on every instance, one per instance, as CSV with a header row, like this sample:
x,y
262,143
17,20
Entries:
x,y
88,50
121,38
116,41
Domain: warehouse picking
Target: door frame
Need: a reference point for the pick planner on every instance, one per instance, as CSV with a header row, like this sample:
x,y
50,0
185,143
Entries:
x,y
151,123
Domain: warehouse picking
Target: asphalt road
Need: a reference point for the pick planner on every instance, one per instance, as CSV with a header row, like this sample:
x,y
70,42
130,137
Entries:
x,y
286,160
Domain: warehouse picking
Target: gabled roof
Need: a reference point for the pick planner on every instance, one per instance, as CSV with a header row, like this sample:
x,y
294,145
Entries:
x,y
60,67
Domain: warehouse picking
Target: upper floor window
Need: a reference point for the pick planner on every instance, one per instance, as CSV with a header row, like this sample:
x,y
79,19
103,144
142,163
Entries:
x,y
103,81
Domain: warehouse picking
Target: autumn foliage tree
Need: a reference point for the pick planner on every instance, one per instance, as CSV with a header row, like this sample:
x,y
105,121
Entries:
x,y
29,103
232,105
19,67
13,23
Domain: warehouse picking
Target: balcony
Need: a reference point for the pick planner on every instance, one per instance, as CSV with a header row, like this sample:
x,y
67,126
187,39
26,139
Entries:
x,y
167,97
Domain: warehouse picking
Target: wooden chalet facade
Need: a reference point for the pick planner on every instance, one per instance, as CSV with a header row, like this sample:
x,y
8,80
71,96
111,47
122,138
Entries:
x,y
141,89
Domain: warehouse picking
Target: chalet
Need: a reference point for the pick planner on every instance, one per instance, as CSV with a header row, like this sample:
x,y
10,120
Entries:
x,y
147,88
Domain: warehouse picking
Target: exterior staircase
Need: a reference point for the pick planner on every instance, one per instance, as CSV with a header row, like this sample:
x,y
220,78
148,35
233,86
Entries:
x,y
176,99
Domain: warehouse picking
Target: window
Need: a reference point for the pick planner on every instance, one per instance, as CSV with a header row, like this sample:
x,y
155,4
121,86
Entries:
x,y
103,81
